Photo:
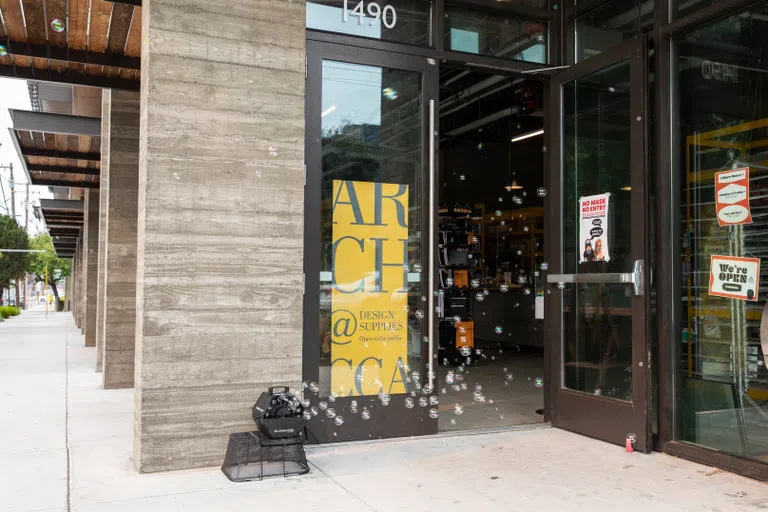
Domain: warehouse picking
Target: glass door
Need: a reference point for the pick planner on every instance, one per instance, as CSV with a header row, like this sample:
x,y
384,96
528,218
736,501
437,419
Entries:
x,y
369,208
598,276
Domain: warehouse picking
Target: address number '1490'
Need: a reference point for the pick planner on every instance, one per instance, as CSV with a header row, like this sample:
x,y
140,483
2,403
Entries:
x,y
387,15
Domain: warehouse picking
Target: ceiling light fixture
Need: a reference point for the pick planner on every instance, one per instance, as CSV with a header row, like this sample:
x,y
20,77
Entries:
x,y
527,135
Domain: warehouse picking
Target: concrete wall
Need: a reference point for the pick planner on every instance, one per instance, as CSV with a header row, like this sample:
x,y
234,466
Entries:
x,y
102,256
80,316
90,265
121,124
220,236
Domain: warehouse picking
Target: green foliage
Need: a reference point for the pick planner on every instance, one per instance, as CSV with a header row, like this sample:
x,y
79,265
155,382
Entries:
x,y
58,268
9,311
13,265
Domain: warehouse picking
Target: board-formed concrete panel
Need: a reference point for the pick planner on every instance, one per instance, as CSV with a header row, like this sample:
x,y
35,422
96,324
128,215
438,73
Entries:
x,y
91,265
121,170
220,233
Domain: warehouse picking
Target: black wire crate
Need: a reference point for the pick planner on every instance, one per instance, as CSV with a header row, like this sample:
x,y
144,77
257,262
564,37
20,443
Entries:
x,y
251,457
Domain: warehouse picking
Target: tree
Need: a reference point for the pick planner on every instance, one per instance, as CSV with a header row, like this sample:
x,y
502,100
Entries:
x,y
13,265
58,268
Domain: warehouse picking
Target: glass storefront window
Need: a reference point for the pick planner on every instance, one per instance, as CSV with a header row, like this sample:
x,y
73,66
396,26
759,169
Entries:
x,y
478,32
399,21
719,74
373,312
610,24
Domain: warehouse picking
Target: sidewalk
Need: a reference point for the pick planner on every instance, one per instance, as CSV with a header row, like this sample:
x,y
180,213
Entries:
x,y
66,445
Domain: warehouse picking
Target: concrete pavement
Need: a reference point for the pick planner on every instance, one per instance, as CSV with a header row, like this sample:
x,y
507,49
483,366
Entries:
x,y
65,444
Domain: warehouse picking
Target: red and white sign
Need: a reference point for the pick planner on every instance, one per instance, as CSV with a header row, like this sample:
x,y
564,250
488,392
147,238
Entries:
x,y
732,197
734,278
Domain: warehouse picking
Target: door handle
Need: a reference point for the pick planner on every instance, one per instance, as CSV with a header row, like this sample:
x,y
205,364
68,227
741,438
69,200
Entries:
x,y
635,278
431,275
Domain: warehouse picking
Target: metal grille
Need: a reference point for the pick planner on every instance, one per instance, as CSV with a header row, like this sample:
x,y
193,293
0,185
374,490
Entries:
x,y
249,457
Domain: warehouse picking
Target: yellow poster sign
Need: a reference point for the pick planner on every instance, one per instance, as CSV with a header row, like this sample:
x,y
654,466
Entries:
x,y
369,319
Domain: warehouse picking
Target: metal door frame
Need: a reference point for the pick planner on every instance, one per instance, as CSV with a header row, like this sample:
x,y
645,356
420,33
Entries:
x,y
597,416
406,422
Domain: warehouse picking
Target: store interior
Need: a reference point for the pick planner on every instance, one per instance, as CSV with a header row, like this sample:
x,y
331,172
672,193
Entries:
x,y
490,250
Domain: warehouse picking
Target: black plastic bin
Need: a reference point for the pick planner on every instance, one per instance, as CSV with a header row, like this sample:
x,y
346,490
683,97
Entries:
x,y
253,457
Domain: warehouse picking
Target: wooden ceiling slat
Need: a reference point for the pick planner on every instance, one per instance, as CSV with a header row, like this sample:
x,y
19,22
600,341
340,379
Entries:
x,y
25,139
78,24
133,43
34,15
50,140
99,27
5,59
61,145
119,25
37,140
56,10
14,24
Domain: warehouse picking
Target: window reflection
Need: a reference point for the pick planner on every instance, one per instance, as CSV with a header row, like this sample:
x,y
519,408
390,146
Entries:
x,y
721,72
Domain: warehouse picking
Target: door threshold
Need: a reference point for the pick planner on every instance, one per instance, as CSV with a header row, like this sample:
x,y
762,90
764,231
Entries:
x,y
439,435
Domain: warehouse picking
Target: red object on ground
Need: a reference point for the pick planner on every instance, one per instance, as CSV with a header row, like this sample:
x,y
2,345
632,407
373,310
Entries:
x,y
629,446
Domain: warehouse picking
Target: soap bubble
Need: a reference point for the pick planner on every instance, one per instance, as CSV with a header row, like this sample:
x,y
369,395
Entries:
x,y
407,267
58,25
338,420
486,292
475,283
526,229
598,392
541,192
425,339
323,405
478,387
457,319
449,281
314,411
480,297
437,309
458,409
521,279
539,382
519,253
332,398
272,151
304,385
423,401
433,414
462,177
307,415
366,414
433,400
517,200
526,291
409,403
509,376
463,386
544,265
306,403
453,421
501,200
417,267
353,407
478,397
449,377
498,213
504,288
330,412
419,314
390,93
462,330
499,329
560,285
465,351
313,387
3,50
416,375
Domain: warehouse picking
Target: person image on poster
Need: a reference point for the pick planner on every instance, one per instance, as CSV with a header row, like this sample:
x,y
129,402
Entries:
x,y
599,255
589,254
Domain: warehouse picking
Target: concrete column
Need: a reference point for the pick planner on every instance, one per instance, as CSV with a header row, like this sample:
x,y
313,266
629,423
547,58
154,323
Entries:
x,y
104,207
80,280
90,266
220,234
121,124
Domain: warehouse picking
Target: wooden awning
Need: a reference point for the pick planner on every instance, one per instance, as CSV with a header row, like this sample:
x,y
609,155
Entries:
x,y
82,42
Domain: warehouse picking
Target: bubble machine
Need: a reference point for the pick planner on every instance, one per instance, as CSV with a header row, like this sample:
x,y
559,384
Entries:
x,y
277,448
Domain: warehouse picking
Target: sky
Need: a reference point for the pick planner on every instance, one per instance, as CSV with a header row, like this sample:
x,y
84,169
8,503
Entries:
x,y
14,94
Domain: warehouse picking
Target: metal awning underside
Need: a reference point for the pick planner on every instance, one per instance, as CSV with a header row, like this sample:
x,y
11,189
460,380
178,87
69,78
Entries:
x,y
58,150
64,219
80,42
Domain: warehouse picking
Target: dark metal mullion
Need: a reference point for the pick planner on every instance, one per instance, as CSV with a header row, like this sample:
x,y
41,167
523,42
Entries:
x,y
438,25
505,9
312,209
553,253
705,16
583,7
